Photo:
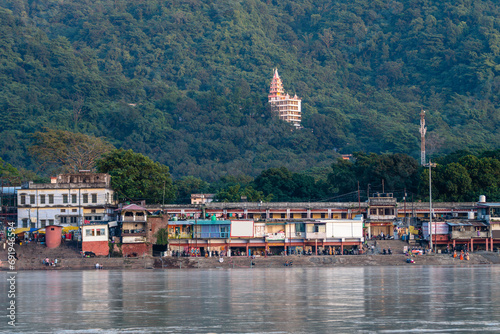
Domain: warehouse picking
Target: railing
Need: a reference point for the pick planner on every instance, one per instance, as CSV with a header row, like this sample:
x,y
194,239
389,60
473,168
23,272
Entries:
x,y
181,236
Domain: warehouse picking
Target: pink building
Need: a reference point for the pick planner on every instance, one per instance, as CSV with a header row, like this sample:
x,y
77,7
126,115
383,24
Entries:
x,y
286,107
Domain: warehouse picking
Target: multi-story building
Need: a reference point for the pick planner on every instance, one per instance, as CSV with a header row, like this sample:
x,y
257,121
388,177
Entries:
x,y
287,108
69,199
134,230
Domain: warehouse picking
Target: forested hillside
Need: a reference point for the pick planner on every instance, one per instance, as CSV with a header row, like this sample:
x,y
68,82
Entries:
x,y
186,81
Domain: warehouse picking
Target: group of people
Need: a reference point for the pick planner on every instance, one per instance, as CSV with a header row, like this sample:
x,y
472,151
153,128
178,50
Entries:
x,y
47,262
463,255
98,266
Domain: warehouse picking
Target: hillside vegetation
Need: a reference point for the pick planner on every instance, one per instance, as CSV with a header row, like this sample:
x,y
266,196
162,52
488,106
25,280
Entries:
x,y
185,82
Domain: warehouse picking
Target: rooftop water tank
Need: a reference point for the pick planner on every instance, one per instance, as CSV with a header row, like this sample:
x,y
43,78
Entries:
x,y
482,199
470,215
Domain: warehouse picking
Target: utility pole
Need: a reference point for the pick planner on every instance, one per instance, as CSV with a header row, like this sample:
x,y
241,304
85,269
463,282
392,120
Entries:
x,y
359,201
430,165
406,220
423,131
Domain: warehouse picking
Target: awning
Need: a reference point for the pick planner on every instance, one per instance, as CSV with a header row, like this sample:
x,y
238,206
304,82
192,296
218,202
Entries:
x,y
41,231
21,230
67,229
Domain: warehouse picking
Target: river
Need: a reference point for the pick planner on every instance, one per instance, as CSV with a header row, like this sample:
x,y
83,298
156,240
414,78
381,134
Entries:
x,y
408,299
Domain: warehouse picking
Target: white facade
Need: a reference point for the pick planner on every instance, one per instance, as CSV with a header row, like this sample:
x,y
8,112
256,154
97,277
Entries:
x,y
95,233
344,228
69,199
242,229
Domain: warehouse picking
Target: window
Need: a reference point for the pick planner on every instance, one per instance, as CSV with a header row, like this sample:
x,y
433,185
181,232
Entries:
x,y
74,220
373,211
65,198
51,199
43,223
323,215
271,215
97,218
299,227
42,199
33,225
51,221
23,199
88,218
63,210
89,232
343,215
74,210
283,215
25,222
85,198
250,215
304,215
94,198
63,220
100,231
73,198
92,211
32,199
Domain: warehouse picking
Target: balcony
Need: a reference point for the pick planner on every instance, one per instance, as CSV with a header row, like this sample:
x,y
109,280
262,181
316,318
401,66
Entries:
x,y
131,233
133,238
183,235
469,234
136,219
315,235
280,236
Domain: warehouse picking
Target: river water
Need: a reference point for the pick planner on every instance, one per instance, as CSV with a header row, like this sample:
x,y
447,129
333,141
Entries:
x,y
409,299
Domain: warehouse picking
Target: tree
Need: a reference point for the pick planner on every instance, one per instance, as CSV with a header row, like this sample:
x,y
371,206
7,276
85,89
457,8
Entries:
x,y
236,192
137,177
66,151
188,185
162,237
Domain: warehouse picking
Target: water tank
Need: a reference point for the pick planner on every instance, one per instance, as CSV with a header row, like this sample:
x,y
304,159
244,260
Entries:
x,y
53,236
470,215
482,199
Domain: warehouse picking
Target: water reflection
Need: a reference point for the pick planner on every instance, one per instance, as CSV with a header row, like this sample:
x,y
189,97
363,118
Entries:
x,y
283,300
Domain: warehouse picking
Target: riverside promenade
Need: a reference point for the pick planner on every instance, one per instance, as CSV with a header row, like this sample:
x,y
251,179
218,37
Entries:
x,y
30,257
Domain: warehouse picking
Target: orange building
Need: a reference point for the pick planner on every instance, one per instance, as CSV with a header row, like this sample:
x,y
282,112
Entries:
x,y
286,107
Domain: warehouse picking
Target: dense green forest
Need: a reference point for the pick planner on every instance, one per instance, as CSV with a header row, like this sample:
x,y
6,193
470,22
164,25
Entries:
x,y
185,82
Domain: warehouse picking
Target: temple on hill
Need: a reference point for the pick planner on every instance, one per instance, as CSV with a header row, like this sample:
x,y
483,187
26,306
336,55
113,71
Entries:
x,y
286,107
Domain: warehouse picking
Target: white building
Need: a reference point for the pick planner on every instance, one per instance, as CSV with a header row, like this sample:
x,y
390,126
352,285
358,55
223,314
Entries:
x,y
70,199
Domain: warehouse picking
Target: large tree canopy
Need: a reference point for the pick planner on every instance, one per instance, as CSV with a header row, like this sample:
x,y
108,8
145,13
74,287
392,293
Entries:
x,y
192,78
137,177
67,151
